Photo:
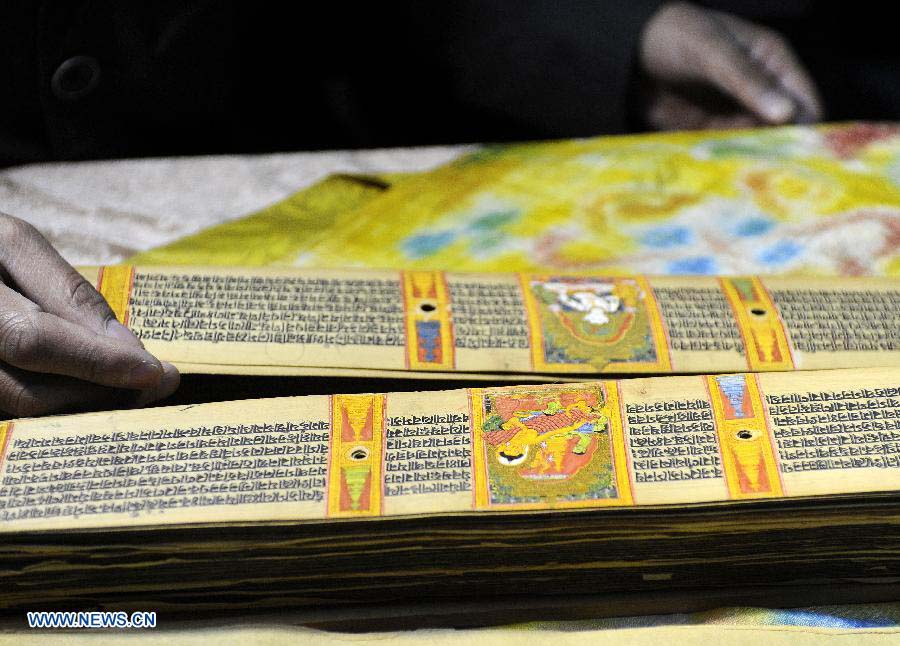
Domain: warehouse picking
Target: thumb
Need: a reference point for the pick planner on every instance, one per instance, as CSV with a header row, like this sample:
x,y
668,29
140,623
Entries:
x,y
732,70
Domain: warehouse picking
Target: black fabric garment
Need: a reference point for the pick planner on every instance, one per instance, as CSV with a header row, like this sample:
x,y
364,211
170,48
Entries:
x,y
226,76
175,77
183,77
559,69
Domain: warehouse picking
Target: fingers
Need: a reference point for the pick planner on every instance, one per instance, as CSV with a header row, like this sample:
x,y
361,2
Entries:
x,y
775,55
687,44
61,347
729,67
669,110
41,274
731,122
27,394
783,64
42,342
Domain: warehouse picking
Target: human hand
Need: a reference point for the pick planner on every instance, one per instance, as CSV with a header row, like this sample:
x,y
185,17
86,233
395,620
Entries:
x,y
708,69
61,347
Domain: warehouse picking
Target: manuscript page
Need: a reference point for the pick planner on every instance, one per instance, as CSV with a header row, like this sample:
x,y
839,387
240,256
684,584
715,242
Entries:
x,y
636,442
417,323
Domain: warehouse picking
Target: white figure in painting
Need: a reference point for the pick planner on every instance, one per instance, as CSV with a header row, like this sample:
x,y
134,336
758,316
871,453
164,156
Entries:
x,y
595,299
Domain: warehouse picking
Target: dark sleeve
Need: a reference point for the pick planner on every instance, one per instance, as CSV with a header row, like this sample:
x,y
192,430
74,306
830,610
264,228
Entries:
x,y
561,68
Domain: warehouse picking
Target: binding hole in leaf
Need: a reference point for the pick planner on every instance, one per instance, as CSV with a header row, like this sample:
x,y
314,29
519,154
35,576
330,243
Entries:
x,y
359,453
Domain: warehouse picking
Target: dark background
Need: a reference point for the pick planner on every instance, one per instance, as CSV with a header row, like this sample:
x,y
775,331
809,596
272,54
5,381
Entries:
x,y
197,77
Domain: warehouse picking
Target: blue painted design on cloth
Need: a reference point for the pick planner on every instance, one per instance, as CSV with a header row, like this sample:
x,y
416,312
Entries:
x,y
780,252
695,265
493,220
667,237
427,244
753,227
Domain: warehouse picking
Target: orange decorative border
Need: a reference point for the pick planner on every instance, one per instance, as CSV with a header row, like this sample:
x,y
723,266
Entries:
x,y
355,455
613,411
766,343
5,435
748,456
539,363
429,325
115,283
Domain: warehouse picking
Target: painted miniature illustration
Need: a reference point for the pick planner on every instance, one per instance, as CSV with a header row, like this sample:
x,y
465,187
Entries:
x,y
594,324
551,446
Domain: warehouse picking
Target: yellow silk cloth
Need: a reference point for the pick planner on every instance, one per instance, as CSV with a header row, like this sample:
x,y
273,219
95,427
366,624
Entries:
x,y
799,200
